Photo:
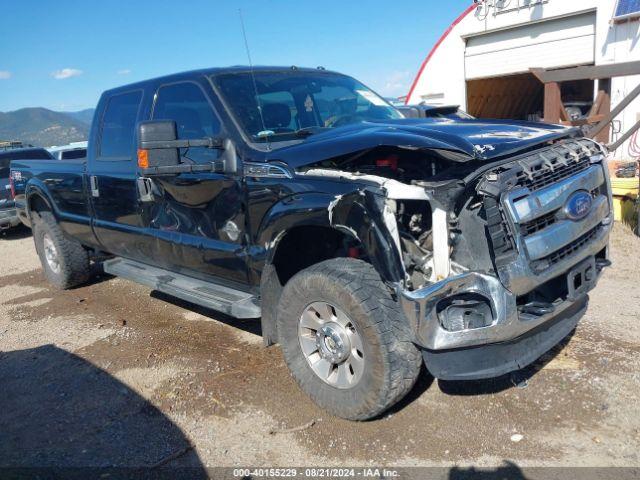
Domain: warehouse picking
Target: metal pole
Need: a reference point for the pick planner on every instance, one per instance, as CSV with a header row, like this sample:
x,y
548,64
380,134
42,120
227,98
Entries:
x,y
614,146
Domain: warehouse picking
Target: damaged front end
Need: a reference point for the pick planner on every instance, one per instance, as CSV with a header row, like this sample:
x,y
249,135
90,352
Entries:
x,y
490,263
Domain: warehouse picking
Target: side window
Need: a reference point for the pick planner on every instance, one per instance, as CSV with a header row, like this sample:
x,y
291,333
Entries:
x,y
186,104
117,135
74,154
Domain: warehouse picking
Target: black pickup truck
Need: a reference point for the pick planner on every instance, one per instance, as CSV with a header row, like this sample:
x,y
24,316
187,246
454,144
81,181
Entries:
x,y
367,243
8,212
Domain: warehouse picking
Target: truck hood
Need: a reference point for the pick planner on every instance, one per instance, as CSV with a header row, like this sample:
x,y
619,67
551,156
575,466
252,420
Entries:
x,y
460,141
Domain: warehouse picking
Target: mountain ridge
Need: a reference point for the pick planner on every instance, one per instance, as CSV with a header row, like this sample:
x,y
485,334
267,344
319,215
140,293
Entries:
x,y
42,127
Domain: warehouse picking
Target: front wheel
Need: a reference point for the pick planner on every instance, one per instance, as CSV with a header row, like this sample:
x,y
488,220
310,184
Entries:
x,y
346,340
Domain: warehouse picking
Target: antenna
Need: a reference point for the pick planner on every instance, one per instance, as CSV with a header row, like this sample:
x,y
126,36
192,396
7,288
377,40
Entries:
x,y
253,77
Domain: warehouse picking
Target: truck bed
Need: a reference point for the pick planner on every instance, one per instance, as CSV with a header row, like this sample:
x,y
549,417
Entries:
x,y
45,170
62,181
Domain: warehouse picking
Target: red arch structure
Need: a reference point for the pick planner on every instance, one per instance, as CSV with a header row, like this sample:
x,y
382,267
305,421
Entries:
x,y
444,36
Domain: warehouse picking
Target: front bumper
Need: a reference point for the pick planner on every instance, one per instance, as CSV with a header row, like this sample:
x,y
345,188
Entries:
x,y
513,340
494,360
476,325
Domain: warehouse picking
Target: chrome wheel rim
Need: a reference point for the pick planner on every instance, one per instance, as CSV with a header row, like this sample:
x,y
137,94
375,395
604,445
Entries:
x,y
51,253
331,345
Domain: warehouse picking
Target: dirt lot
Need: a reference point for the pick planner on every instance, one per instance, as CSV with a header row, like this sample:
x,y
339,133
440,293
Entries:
x,y
113,374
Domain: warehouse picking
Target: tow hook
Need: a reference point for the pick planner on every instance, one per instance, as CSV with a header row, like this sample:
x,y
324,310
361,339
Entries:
x,y
537,308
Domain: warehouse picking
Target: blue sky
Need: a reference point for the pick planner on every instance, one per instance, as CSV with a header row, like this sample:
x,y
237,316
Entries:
x,y
62,54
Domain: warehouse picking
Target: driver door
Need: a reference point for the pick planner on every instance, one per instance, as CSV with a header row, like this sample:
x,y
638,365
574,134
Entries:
x,y
197,219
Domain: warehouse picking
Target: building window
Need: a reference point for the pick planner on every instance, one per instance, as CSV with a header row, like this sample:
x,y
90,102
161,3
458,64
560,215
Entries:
x,y
626,9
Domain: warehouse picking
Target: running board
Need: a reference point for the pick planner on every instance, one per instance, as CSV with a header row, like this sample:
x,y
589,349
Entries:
x,y
227,300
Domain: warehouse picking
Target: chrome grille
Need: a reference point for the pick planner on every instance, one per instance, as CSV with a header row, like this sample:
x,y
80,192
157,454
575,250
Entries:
x,y
545,174
533,191
566,251
546,220
538,224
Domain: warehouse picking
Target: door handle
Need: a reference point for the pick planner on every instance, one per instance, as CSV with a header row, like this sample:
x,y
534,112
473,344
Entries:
x,y
95,191
145,189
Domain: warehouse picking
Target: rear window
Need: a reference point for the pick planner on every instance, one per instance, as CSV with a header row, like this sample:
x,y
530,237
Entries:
x,y
74,154
117,139
7,157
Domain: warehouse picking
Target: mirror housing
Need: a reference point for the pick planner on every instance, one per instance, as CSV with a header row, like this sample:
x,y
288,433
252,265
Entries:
x,y
159,151
153,132
229,157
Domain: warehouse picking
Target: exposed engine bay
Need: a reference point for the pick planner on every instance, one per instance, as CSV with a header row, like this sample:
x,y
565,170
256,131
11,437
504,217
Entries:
x,y
409,177
449,217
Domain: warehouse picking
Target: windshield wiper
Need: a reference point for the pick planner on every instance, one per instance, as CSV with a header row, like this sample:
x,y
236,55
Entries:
x,y
302,132
307,131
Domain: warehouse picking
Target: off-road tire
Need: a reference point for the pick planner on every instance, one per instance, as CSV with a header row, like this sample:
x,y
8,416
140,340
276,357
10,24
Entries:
x,y
75,268
392,361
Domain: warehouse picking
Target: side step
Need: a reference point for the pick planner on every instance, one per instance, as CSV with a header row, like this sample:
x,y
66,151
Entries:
x,y
235,303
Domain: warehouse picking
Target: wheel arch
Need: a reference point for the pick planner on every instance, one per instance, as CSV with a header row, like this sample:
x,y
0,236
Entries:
x,y
38,200
316,225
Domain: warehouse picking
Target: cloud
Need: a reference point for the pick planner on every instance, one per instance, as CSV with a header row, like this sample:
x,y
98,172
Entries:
x,y
66,73
397,83
124,71
5,75
70,107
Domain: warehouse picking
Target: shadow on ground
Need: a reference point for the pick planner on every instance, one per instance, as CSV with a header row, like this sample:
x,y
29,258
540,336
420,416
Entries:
x,y
57,410
251,325
518,378
15,233
509,471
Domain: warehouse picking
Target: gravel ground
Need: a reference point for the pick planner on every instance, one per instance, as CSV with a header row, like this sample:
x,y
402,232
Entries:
x,y
112,374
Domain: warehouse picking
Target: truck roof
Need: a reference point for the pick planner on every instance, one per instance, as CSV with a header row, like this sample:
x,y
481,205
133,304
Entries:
x,y
70,146
220,70
22,152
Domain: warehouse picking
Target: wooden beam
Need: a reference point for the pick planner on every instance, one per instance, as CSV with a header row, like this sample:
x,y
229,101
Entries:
x,y
603,111
552,103
564,115
604,124
597,105
587,73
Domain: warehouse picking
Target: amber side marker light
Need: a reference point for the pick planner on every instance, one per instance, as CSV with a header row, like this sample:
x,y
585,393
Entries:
x,y
143,158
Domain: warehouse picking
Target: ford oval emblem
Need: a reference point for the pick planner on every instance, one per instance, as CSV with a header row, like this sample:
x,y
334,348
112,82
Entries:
x,y
578,205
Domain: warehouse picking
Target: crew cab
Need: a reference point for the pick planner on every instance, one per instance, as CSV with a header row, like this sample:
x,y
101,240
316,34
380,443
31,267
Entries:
x,y
8,213
367,243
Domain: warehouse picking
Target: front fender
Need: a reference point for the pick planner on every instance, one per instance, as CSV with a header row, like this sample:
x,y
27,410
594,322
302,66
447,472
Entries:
x,y
358,214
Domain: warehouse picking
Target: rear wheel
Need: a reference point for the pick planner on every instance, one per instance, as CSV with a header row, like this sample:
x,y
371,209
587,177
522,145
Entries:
x,y
346,340
65,262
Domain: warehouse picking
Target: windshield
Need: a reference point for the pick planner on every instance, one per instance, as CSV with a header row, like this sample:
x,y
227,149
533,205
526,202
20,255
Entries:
x,y
452,113
298,103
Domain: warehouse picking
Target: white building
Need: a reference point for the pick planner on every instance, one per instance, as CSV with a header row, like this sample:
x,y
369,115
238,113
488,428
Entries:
x,y
483,61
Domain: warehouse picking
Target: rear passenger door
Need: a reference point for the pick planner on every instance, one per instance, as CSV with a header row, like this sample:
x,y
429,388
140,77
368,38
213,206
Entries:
x,y
112,178
198,219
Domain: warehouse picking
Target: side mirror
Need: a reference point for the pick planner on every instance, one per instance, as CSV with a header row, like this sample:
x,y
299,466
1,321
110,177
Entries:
x,y
155,140
159,150
229,157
